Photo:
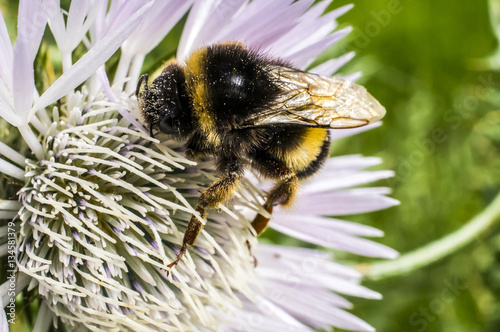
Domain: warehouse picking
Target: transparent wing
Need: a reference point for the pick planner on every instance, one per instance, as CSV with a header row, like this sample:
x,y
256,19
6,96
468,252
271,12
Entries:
x,y
319,101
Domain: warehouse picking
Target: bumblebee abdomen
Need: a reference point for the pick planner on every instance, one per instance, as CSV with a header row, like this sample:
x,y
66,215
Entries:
x,y
297,147
307,149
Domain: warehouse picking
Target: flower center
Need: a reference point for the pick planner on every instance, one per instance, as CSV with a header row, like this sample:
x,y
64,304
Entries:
x,y
103,214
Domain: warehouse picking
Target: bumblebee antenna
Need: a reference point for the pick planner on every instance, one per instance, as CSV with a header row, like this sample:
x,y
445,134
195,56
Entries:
x,y
144,78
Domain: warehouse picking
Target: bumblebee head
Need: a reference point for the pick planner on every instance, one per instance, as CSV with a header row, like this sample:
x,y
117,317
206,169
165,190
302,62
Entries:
x,y
164,103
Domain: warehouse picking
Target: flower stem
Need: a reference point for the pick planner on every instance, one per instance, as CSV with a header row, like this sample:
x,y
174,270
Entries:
x,y
438,249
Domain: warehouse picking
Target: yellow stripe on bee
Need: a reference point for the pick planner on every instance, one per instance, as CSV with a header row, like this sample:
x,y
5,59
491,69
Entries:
x,y
197,86
309,149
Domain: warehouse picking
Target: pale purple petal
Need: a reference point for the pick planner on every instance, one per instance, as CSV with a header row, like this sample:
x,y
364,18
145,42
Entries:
x,y
203,22
93,59
159,20
331,66
329,181
305,56
352,77
267,38
119,12
301,38
103,78
251,17
282,257
23,80
6,54
280,28
7,106
97,29
312,282
291,30
274,20
349,162
311,28
263,305
272,25
325,224
261,315
341,133
341,11
333,239
58,28
300,280
12,154
80,17
326,317
32,19
345,202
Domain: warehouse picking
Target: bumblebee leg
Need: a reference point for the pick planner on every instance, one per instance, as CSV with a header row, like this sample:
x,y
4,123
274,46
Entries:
x,y
283,193
218,192
192,231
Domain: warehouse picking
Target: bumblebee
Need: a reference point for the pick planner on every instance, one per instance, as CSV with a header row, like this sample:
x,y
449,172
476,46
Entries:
x,y
248,110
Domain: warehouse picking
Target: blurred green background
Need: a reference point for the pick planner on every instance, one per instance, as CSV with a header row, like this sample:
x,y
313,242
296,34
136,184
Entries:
x,y
432,64
428,63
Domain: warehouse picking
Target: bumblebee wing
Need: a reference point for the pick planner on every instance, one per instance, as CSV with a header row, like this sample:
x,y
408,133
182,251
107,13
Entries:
x,y
317,101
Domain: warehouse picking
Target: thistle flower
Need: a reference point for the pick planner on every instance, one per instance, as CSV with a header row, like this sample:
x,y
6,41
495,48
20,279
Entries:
x,y
101,206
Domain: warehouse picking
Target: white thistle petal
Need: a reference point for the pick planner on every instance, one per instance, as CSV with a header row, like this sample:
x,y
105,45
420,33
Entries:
x,y
345,179
23,79
331,66
336,134
352,77
119,12
350,162
353,201
324,224
195,26
298,280
9,205
9,169
32,19
12,154
160,19
89,63
6,54
81,16
305,56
